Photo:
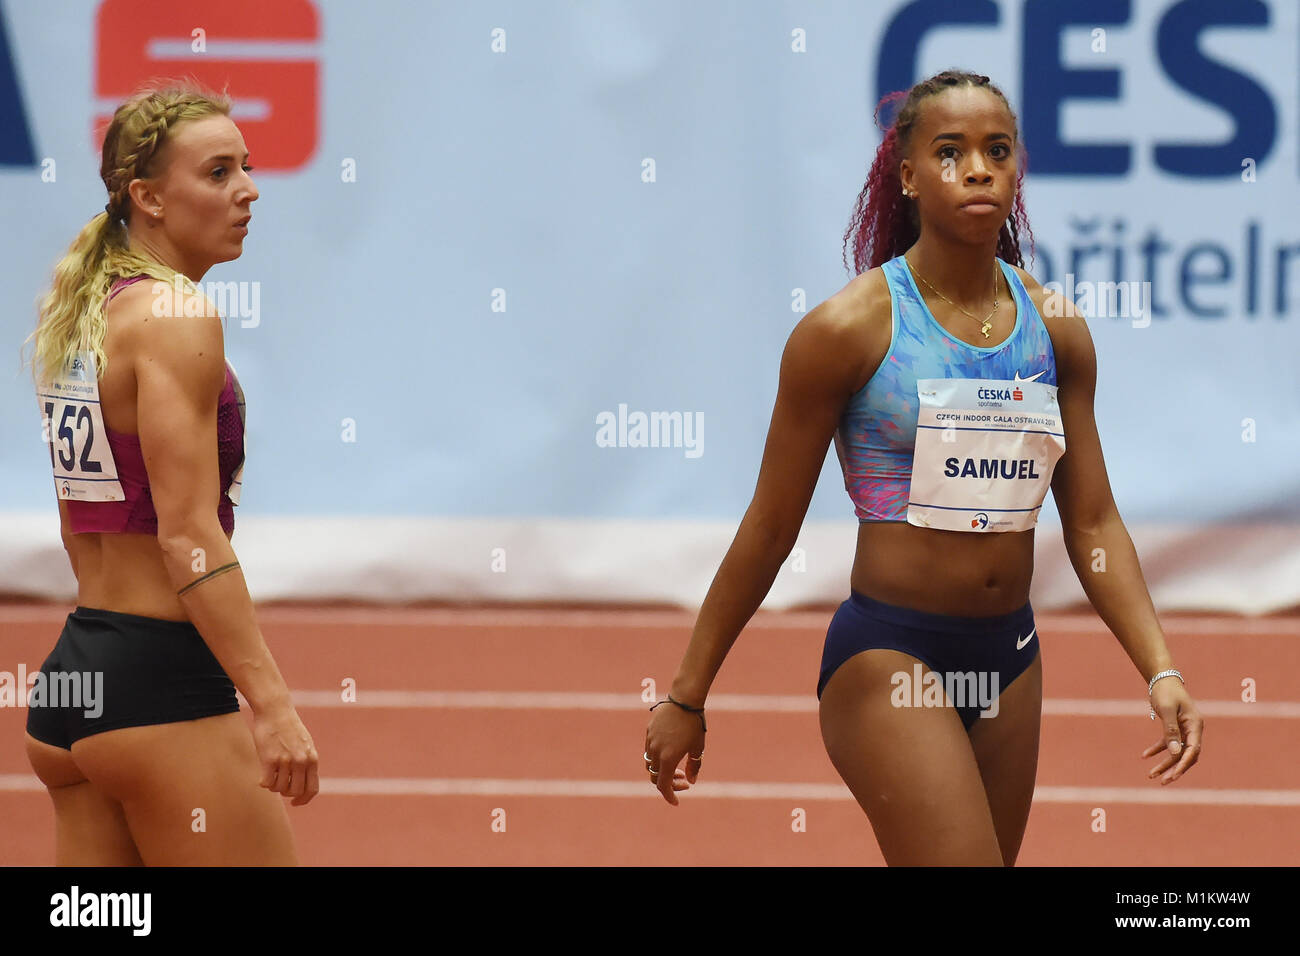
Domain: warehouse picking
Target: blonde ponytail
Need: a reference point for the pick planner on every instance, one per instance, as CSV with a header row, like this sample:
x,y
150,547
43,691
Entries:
x,y
71,315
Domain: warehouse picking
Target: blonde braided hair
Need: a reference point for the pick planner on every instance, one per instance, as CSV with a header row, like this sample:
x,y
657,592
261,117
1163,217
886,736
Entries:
x,y
71,314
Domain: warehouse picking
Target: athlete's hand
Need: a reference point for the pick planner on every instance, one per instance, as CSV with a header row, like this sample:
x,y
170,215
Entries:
x,y
1181,724
673,734
287,754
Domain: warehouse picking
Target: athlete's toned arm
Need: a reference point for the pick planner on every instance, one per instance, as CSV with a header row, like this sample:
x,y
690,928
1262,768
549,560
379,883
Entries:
x,y
1100,548
180,373
825,360
821,367
1089,518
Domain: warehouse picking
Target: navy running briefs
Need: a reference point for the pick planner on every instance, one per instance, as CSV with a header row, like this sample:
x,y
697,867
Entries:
x,y
1003,645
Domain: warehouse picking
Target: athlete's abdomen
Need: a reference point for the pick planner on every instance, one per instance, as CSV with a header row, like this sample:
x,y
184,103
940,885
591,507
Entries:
x,y
125,573
944,572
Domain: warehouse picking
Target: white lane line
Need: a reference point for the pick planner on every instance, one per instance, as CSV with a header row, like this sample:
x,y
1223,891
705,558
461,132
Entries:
x,y
745,703
721,790
1169,794
1208,708
508,617
771,620
538,700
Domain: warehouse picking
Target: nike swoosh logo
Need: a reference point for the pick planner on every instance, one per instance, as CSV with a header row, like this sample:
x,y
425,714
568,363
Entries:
x,y
1028,637
1031,378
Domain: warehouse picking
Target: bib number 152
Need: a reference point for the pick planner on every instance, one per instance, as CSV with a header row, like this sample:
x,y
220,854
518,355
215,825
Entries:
x,y
82,461
66,436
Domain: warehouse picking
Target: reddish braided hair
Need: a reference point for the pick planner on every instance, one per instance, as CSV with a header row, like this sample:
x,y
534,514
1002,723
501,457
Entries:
x,y
885,223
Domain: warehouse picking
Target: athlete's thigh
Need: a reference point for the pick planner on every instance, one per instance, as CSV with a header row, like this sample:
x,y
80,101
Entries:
x,y
910,768
89,826
190,792
1006,749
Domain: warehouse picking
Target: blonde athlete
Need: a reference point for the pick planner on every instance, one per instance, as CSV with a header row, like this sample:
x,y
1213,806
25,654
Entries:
x,y
146,423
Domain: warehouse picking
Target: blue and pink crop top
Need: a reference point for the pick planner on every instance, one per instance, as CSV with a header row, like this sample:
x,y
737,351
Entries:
x,y
876,436
135,514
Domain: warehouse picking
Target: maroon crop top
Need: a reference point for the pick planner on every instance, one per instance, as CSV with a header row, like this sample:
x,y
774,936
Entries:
x,y
135,514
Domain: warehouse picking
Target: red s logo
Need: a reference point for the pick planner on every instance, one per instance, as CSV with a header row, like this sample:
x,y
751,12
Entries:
x,y
1018,395
263,54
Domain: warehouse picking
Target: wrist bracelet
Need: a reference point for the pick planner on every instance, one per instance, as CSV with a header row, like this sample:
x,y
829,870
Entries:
x,y
1168,673
1150,686
698,711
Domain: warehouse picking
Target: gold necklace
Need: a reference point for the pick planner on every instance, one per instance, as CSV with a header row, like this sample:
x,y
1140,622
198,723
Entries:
x,y
986,325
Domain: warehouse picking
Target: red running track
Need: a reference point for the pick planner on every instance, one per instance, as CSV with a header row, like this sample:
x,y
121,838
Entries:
x,y
534,719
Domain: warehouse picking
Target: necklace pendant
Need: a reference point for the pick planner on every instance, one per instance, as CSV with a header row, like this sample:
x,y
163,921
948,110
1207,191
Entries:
x,y
985,328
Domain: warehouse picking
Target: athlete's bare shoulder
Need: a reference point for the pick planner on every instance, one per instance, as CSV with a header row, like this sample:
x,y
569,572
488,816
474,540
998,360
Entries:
x,y
1067,327
157,327
135,305
151,314
1051,305
857,324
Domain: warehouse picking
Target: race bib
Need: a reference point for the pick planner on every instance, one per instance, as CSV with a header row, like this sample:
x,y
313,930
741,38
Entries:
x,y
237,482
74,428
985,451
